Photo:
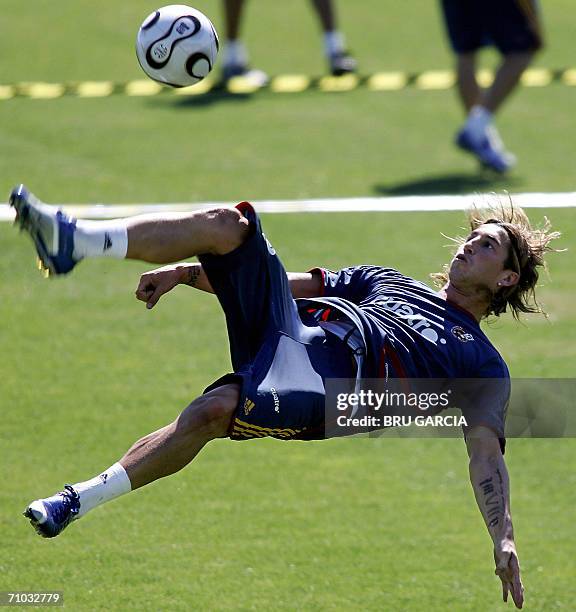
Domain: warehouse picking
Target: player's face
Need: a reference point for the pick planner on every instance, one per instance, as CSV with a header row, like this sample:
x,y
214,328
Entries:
x,y
480,260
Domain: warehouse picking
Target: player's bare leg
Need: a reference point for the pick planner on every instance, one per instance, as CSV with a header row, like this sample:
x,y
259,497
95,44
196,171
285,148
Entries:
x,y
172,237
171,448
154,456
62,241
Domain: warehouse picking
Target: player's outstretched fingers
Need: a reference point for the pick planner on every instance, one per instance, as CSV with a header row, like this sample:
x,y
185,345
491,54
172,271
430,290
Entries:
x,y
504,591
517,588
511,582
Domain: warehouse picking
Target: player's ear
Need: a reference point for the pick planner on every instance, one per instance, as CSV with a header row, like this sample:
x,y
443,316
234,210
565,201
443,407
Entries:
x,y
508,278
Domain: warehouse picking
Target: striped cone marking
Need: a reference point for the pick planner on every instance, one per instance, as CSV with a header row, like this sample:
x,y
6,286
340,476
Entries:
x,y
387,81
536,77
6,92
289,83
44,91
143,88
194,90
485,77
94,89
569,77
241,85
437,79
343,83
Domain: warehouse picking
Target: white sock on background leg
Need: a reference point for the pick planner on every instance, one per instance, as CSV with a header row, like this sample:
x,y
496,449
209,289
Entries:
x,y
333,43
103,488
100,239
478,121
235,53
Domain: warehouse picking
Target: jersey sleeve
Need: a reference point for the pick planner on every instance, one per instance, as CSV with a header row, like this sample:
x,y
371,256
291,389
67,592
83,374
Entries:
x,y
485,399
353,283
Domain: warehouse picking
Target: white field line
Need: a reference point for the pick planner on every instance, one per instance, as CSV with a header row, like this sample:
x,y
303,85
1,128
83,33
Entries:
x,y
382,204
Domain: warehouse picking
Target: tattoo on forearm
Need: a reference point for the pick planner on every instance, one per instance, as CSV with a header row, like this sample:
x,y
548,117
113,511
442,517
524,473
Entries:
x,y
192,276
494,500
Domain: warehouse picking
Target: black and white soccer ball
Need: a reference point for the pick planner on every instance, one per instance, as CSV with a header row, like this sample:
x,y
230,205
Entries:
x,y
177,45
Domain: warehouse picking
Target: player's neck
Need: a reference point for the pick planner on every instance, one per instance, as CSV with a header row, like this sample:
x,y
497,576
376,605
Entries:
x,y
473,301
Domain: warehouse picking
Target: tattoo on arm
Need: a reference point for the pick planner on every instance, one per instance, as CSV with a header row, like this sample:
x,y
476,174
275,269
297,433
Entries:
x,y
192,276
494,498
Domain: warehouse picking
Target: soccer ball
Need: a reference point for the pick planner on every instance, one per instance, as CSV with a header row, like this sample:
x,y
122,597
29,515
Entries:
x,y
177,45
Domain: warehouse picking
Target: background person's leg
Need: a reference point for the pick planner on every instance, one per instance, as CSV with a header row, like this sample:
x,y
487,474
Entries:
x,y
514,29
235,56
233,11
468,87
506,80
479,134
339,60
326,14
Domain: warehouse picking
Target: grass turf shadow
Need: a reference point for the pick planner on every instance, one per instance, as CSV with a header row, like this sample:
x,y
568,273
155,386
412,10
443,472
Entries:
x,y
453,183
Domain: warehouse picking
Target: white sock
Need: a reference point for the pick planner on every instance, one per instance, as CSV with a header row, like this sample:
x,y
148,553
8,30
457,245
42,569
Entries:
x,y
235,53
103,488
478,121
100,239
333,43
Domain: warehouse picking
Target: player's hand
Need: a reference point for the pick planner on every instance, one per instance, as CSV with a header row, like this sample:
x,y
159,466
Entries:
x,y
508,570
153,285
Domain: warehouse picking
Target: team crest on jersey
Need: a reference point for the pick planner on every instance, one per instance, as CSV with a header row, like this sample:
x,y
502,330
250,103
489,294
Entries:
x,y
270,248
461,334
248,405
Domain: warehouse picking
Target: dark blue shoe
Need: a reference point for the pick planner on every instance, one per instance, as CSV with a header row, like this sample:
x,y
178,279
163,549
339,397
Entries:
x,y
51,230
489,149
342,63
52,515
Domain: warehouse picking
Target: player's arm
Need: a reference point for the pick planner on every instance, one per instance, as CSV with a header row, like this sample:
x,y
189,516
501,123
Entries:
x,y
305,284
154,284
489,478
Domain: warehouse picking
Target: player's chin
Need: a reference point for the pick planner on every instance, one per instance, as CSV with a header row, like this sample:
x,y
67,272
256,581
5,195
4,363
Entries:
x,y
456,271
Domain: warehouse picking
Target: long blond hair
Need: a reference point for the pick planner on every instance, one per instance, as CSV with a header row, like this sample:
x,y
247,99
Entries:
x,y
528,246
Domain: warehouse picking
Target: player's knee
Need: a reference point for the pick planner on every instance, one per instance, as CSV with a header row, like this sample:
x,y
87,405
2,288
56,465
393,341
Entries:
x,y
229,229
211,413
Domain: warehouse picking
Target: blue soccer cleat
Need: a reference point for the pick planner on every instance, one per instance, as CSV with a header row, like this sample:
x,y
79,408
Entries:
x,y
52,515
51,230
489,149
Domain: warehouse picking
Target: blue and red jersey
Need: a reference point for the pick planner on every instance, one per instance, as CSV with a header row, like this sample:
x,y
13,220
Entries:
x,y
410,331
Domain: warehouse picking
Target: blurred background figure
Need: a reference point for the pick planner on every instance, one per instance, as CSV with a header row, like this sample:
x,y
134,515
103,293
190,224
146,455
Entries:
x,y
235,59
513,27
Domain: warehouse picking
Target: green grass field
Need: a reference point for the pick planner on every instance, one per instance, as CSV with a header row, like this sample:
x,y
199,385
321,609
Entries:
x,y
384,524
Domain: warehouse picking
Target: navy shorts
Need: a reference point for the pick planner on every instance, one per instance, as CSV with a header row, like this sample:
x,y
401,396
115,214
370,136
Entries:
x,y
510,25
280,360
